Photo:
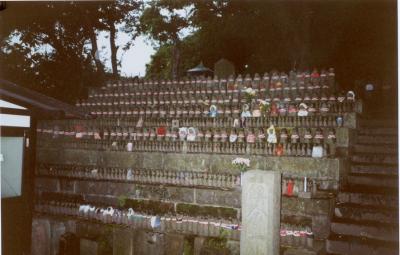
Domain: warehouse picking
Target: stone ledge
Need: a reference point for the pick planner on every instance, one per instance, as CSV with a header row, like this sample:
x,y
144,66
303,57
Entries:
x,y
307,207
97,190
324,168
155,207
68,183
93,230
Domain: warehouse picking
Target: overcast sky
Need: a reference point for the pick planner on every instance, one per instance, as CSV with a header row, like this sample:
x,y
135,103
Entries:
x,y
133,61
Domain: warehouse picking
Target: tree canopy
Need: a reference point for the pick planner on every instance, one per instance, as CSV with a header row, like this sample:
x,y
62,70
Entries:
x,y
53,49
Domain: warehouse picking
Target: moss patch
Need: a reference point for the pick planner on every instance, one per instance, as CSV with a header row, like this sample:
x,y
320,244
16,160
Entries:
x,y
208,211
149,206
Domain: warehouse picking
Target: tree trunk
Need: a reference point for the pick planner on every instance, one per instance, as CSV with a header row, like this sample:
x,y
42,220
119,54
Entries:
x,y
114,50
175,59
304,35
93,41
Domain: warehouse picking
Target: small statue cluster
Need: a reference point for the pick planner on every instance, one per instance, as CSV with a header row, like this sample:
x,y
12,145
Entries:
x,y
178,178
299,187
201,226
296,236
292,141
275,94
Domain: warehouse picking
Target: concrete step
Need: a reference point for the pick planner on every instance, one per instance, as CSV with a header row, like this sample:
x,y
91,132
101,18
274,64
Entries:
x,y
374,148
365,229
385,198
373,180
349,245
375,158
374,169
376,139
378,123
378,131
358,212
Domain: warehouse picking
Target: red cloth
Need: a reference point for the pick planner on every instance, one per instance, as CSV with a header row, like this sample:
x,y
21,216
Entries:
x,y
289,189
161,131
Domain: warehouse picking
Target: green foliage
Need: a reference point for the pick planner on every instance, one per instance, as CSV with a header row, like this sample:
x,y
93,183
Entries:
x,y
122,200
258,36
163,21
188,245
208,211
149,206
220,242
160,65
53,48
105,241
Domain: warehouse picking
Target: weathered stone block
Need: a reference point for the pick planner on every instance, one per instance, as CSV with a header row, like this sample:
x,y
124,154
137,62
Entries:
x,y
350,120
233,247
198,244
173,244
57,230
67,185
118,189
70,226
321,226
41,237
150,163
46,184
104,188
342,137
299,251
180,194
161,192
88,247
92,230
85,187
231,198
146,243
122,242
103,200
261,199
306,207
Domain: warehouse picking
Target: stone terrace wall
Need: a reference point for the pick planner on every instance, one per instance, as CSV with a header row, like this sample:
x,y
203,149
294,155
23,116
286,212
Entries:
x,y
132,155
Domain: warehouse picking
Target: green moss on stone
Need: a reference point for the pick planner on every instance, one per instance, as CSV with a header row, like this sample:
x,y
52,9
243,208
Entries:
x,y
208,211
149,206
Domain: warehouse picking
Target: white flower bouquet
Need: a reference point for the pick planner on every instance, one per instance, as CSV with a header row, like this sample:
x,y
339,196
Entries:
x,y
249,93
264,106
242,164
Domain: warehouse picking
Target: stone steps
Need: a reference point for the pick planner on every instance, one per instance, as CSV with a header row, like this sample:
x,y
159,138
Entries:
x,y
366,213
375,149
376,139
375,158
349,245
378,123
383,197
374,169
365,229
378,131
372,180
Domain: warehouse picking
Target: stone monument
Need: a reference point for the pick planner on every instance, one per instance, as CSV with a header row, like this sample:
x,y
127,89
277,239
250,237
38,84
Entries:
x,y
224,68
261,204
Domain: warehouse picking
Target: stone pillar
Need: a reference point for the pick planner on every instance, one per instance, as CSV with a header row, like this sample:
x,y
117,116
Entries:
x,y
41,237
261,204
